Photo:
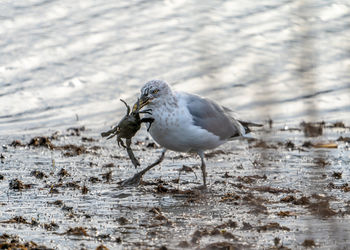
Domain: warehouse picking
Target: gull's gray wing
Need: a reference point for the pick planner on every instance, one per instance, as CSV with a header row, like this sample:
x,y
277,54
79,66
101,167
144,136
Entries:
x,y
212,117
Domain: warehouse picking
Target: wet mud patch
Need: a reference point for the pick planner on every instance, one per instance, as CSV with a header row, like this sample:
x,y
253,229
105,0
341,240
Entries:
x,y
261,194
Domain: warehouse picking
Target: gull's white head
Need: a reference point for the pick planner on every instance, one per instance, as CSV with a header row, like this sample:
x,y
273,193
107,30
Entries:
x,y
154,91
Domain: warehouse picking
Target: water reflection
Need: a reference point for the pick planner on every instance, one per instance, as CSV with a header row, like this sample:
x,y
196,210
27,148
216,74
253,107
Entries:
x,y
277,59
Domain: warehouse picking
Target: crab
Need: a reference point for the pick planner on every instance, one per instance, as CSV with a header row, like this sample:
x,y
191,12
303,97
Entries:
x,y
128,127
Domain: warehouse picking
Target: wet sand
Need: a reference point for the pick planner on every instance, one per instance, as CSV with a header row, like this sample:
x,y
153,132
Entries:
x,y
288,189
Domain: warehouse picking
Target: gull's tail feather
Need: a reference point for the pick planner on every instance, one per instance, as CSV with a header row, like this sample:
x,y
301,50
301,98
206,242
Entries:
x,y
247,124
244,132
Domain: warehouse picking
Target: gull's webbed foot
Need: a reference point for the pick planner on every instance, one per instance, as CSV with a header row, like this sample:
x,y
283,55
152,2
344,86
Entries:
x,y
132,181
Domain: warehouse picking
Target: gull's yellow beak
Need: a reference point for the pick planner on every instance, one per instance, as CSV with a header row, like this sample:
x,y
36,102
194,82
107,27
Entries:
x,y
143,101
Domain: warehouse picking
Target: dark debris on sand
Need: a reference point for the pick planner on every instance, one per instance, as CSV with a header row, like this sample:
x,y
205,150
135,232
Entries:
x,y
16,143
344,139
52,226
17,220
69,150
38,174
198,234
77,231
16,184
76,131
41,141
63,173
321,209
253,191
272,226
73,150
14,242
312,129
308,243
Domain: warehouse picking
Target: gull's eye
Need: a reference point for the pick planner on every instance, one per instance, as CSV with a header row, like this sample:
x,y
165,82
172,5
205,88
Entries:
x,y
155,91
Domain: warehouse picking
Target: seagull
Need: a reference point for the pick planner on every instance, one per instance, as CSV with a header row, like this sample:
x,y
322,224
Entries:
x,y
185,122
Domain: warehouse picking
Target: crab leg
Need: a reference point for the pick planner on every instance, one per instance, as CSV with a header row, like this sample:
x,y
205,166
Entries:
x,y
127,106
132,157
109,132
149,120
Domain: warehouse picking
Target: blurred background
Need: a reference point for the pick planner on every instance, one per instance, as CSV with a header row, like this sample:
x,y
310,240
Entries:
x,y
65,63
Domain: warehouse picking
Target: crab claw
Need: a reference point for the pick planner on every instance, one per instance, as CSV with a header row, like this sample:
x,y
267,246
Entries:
x,y
136,106
120,142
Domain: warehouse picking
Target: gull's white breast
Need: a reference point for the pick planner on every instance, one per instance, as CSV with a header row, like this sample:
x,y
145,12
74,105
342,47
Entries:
x,y
173,129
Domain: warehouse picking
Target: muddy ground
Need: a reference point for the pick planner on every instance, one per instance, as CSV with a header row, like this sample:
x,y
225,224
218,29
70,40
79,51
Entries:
x,y
289,189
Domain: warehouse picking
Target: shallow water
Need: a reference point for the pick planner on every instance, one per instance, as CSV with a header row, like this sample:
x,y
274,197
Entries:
x,y
63,61
66,64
